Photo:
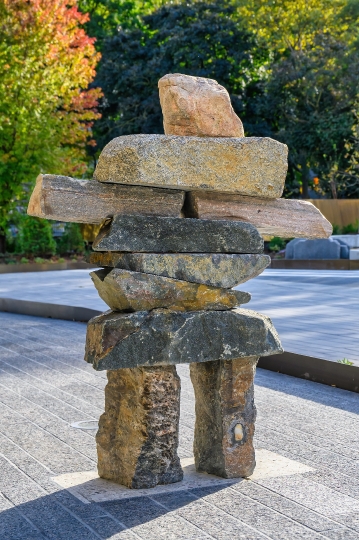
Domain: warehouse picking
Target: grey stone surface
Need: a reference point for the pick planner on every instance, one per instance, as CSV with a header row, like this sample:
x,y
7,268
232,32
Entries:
x,y
313,249
159,234
123,290
137,439
225,416
251,166
317,423
161,337
214,269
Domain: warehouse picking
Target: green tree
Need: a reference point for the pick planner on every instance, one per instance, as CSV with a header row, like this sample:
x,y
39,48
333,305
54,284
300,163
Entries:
x,y
35,237
202,39
46,110
309,102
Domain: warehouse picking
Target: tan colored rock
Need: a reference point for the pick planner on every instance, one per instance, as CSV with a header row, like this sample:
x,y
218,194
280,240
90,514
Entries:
x,y
215,269
248,166
225,416
197,106
134,291
137,438
285,218
64,198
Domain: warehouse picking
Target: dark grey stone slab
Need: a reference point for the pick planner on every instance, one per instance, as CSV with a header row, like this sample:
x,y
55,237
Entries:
x,y
214,269
162,337
166,234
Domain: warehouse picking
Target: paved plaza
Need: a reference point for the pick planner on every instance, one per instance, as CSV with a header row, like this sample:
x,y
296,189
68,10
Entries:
x,y
46,387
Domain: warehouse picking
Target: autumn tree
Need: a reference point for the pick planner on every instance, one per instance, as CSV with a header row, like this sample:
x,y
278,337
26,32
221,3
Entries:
x,y
46,109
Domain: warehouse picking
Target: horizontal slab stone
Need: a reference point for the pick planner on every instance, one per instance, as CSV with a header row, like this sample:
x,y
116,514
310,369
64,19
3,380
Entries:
x,y
162,234
163,337
285,218
249,166
123,290
64,198
218,270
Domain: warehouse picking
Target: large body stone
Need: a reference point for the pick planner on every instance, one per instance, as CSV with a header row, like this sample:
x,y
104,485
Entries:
x,y
160,234
134,291
249,166
277,217
163,337
86,201
137,438
225,416
197,106
217,270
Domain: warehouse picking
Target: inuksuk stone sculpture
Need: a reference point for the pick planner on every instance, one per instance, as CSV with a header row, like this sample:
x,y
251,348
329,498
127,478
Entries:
x,y
182,216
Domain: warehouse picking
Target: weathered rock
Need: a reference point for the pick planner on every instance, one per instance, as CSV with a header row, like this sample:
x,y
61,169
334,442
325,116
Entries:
x,y
197,106
161,234
217,270
313,249
225,416
123,290
137,438
163,337
86,201
277,217
249,166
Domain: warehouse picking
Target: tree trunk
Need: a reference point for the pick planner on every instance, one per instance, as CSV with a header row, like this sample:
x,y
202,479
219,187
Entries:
x,y
2,242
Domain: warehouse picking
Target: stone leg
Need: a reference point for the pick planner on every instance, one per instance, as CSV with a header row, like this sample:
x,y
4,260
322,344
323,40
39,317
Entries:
x,y
225,416
137,438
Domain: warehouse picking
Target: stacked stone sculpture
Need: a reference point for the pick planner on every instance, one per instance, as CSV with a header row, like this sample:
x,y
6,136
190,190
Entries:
x,y
181,219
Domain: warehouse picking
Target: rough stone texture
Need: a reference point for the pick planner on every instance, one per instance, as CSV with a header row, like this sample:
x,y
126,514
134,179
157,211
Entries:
x,y
279,217
197,106
217,270
85,201
248,166
313,249
137,438
225,416
163,337
123,290
161,234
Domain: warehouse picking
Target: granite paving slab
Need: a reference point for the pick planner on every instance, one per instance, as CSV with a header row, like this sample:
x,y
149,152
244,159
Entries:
x,y
306,484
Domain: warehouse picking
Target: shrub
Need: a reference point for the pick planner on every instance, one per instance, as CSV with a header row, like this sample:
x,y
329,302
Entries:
x,y
71,241
35,237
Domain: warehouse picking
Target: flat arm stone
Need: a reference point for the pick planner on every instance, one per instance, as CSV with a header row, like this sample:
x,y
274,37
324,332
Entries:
x,y
277,217
162,234
251,166
64,198
163,337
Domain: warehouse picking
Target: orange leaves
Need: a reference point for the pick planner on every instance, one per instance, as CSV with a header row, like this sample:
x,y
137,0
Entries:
x,y
47,62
